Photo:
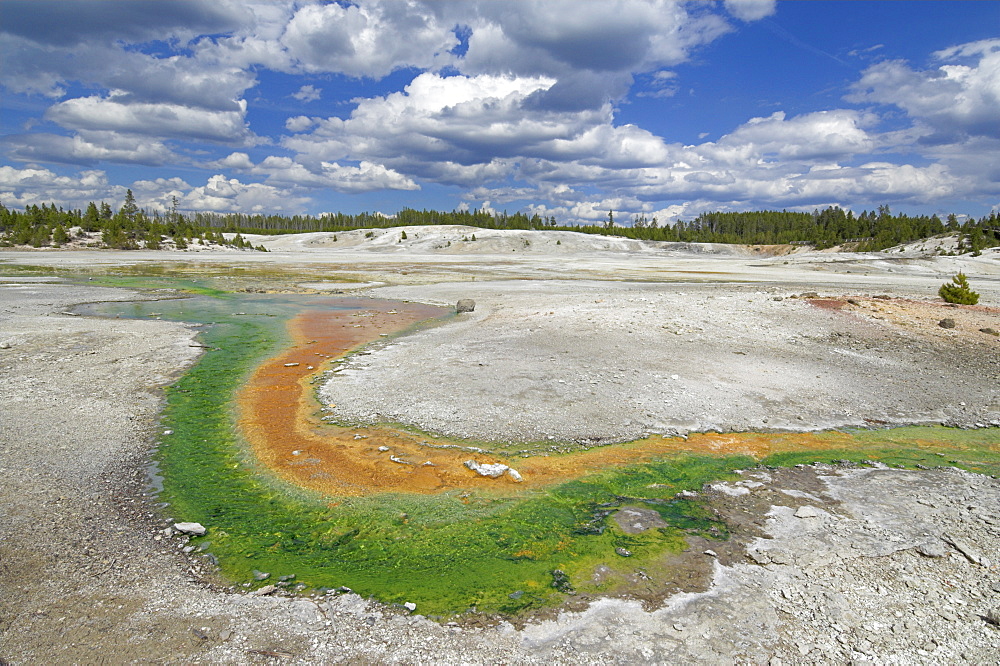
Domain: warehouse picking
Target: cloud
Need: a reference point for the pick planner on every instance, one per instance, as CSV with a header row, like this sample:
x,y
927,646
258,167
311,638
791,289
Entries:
x,y
307,94
87,148
24,187
115,113
366,177
299,123
547,37
750,10
467,120
468,131
34,62
365,40
662,85
591,54
534,83
819,135
238,161
514,103
952,100
159,193
460,130
35,186
59,23
229,195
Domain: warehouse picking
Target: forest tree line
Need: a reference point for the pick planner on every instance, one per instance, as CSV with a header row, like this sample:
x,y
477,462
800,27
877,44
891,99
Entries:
x,y
131,227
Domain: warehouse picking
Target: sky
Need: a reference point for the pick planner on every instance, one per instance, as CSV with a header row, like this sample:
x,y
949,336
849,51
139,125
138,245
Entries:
x,y
564,108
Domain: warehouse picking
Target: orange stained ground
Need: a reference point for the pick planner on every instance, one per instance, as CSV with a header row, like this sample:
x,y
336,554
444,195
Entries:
x,y
279,418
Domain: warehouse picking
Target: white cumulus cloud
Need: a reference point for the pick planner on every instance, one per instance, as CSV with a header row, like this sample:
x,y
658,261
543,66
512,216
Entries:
x,y
366,39
229,195
959,97
750,10
366,177
307,93
86,148
115,114
36,186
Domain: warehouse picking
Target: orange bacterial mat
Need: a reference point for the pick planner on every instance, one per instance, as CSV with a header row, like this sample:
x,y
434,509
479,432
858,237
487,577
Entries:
x,y
279,418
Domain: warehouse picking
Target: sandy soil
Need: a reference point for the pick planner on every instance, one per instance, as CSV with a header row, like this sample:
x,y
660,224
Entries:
x,y
577,341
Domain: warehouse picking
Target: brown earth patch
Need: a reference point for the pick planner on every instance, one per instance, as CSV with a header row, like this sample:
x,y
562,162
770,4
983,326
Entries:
x,y
827,303
922,317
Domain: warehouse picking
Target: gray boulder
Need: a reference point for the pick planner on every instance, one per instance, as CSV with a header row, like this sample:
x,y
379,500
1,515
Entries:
x,y
465,305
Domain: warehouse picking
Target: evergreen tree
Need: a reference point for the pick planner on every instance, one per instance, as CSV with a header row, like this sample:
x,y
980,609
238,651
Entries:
x,y
59,236
40,236
958,291
153,238
129,208
92,218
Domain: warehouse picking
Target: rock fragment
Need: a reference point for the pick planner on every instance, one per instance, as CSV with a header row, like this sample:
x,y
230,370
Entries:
x,y
971,552
194,529
807,512
493,470
465,305
933,548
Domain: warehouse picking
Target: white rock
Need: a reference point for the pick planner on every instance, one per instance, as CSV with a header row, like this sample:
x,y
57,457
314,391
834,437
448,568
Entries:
x,y
410,606
732,491
197,529
492,470
807,512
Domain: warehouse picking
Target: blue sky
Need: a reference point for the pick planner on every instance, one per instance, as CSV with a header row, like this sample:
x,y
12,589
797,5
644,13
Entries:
x,y
566,108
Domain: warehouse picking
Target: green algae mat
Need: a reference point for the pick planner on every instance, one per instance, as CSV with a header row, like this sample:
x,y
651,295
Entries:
x,y
454,552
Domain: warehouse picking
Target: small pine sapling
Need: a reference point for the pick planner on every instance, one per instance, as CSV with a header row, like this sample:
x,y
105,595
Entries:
x,y
958,291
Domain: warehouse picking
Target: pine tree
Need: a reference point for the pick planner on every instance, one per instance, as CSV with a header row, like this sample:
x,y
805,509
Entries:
x,y
129,208
59,235
153,239
92,218
959,292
